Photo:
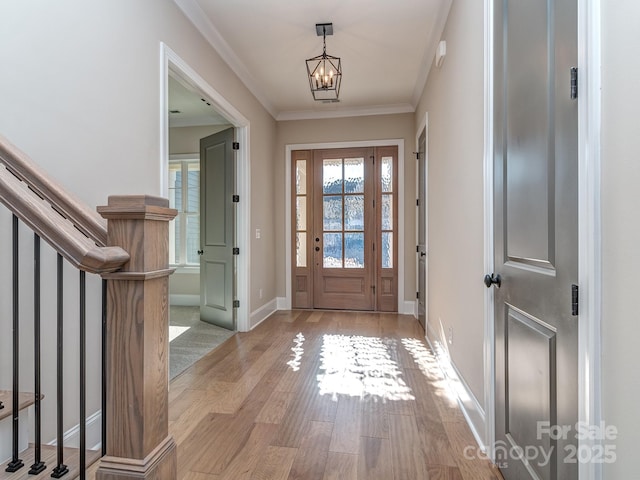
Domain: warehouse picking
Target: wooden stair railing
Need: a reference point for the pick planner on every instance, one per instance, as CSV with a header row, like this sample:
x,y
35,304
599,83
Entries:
x,y
131,253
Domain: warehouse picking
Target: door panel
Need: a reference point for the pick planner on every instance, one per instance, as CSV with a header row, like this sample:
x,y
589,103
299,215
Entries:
x,y
386,182
343,229
536,246
302,241
217,229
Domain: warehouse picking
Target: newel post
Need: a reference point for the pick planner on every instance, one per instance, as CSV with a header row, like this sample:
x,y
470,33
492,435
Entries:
x,y
138,442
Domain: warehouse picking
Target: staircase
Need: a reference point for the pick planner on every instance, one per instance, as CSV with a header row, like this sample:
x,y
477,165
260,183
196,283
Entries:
x,y
84,322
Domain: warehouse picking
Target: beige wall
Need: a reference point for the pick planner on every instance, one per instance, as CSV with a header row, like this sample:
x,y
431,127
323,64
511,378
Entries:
x,y
621,231
382,127
453,99
81,95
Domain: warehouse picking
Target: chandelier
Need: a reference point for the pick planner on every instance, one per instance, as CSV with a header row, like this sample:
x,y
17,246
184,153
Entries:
x,y
324,71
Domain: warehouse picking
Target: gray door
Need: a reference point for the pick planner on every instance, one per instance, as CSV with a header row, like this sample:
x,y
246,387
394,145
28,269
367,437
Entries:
x,y
217,228
536,247
422,229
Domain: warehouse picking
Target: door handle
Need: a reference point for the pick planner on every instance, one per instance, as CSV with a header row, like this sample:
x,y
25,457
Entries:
x,y
492,279
423,254
200,252
317,249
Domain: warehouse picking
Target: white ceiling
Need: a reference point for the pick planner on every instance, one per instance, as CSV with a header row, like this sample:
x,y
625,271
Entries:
x,y
386,49
188,109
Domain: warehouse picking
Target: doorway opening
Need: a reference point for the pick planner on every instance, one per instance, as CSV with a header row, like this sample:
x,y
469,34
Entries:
x,y
192,110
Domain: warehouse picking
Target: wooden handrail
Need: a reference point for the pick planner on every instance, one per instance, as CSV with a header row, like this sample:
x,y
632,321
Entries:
x,y
72,229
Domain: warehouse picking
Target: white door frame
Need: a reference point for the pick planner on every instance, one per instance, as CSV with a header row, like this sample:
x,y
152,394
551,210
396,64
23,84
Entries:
x,y
589,228
170,61
402,308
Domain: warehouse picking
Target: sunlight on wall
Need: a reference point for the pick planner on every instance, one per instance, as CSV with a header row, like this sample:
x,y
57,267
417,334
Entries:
x,y
361,367
443,383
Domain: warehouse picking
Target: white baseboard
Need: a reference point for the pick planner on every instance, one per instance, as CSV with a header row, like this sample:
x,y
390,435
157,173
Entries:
x,y
262,313
184,300
71,437
281,303
409,307
469,404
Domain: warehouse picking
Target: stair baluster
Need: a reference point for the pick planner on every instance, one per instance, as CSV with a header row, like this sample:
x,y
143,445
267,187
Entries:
x,y
60,469
15,464
38,465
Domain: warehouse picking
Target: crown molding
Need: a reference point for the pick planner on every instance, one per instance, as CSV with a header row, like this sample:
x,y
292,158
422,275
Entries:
x,y
200,20
347,112
427,61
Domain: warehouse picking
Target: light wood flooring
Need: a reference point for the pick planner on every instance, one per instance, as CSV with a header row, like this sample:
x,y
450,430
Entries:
x,y
321,395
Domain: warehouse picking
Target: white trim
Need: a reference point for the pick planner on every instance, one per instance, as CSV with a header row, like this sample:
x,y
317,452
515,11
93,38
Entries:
x,y
469,404
287,208
347,112
184,300
265,311
409,307
186,269
170,61
589,227
281,303
184,156
200,20
489,313
93,424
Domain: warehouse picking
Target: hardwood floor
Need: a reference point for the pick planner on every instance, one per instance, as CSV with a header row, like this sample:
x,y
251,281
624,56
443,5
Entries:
x,y
321,395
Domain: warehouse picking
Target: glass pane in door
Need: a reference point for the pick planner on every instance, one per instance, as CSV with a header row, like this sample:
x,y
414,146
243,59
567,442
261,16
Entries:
x,y
354,250
332,252
353,175
332,176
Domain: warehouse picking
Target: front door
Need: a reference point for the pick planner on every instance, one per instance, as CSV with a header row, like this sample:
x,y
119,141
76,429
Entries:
x,y
217,228
343,225
536,247
344,228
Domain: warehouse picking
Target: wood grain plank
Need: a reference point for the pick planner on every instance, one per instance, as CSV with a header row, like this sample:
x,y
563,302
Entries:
x,y
311,459
341,466
406,449
348,426
275,464
375,422
245,461
374,459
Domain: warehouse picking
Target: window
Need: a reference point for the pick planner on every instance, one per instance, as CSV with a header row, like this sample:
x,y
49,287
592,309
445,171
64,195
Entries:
x,y
184,196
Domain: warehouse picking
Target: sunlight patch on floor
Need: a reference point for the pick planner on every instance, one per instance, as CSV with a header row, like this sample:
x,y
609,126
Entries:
x,y
298,351
361,367
175,331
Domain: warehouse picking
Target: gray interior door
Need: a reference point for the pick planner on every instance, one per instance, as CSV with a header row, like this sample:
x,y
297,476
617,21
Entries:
x,y
536,247
217,229
422,229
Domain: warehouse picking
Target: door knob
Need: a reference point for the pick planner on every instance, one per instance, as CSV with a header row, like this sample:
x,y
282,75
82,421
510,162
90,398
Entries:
x,y
317,249
423,254
492,279
200,252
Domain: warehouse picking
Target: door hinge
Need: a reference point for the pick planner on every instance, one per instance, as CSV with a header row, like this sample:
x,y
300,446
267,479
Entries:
x,y
574,83
235,198
574,300
417,154
417,248
236,146
236,251
417,202
418,295
374,204
236,303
